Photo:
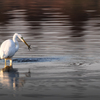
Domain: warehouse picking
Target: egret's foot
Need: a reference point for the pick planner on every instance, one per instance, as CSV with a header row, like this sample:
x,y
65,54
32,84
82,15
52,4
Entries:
x,y
8,69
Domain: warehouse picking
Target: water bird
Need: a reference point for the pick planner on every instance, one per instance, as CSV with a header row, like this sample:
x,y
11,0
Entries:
x,y
9,47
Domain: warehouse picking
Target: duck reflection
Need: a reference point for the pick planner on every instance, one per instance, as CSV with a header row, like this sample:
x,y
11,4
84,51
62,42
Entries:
x,y
12,80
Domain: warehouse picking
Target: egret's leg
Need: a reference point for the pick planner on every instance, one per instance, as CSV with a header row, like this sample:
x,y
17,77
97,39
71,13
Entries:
x,y
5,63
10,62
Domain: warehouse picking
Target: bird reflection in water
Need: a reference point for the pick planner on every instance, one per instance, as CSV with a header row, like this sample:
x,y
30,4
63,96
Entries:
x,y
12,80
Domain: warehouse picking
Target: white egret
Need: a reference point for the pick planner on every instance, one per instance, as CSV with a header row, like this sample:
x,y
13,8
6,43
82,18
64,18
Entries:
x,y
10,47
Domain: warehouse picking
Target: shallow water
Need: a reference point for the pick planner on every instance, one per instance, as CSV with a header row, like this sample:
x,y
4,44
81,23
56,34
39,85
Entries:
x,y
63,62
60,78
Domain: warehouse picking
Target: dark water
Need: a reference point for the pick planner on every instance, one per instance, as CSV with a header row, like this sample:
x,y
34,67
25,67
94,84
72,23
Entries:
x,y
64,60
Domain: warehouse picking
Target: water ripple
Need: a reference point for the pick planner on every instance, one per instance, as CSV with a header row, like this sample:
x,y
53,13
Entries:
x,y
35,59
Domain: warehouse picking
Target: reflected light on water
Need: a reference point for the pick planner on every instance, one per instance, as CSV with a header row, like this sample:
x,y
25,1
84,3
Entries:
x,y
65,29
12,80
9,80
52,27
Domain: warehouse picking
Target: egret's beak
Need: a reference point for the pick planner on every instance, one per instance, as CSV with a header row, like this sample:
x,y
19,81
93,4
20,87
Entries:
x,y
29,47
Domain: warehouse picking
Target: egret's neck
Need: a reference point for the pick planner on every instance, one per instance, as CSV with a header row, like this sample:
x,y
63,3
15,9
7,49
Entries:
x,y
16,42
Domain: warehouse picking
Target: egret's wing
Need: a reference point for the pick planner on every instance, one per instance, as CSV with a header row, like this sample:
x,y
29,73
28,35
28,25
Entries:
x,y
7,49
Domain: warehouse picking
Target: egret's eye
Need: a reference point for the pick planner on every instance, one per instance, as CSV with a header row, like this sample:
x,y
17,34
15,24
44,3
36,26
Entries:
x,y
21,37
